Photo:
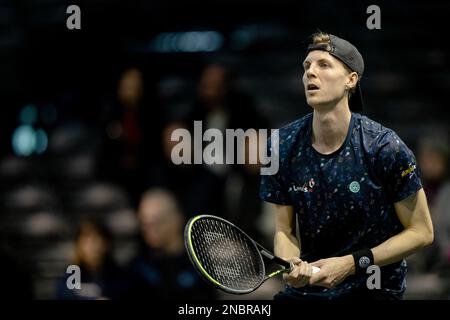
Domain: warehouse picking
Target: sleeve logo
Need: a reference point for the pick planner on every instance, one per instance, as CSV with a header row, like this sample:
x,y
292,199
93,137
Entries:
x,y
409,170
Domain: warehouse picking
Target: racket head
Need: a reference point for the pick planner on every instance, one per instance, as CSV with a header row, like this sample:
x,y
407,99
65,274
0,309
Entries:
x,y
224,255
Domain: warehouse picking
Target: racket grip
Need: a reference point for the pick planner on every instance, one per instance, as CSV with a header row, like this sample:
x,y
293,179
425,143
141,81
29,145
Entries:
x,y
314,269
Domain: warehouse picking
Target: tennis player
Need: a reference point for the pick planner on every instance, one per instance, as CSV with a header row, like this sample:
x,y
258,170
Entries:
x,y
352,185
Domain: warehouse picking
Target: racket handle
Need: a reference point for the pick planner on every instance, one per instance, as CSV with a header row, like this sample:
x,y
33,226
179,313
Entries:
x,y
314,269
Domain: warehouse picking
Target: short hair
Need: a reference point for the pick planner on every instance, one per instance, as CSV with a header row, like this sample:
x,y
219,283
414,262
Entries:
x,y
91,224
164,195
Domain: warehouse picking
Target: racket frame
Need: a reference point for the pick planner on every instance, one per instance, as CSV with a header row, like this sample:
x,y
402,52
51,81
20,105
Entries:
x,y
287,266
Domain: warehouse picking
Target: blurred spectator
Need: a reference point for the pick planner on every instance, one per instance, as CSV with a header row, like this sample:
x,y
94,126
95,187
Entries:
x,y
442,224
162,269
436,164
100,276
242,204
427,266
219,104
132,131
433,159
197,189
222,105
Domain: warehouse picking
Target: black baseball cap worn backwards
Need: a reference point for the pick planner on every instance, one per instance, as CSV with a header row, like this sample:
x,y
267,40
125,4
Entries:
x,y
350,56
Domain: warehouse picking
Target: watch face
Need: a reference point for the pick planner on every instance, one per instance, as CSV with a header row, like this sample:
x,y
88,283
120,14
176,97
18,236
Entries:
x,y
364,262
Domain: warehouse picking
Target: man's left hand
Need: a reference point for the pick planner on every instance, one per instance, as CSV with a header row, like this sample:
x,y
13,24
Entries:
x,y
332,271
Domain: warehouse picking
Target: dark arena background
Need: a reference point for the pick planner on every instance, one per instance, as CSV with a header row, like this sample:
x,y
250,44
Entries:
x,y
86,177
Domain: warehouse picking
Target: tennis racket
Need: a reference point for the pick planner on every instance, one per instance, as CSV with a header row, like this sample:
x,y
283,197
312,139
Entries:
x,y
227,257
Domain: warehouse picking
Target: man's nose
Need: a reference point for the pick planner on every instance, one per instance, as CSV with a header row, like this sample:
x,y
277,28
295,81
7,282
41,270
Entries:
x,y
311,72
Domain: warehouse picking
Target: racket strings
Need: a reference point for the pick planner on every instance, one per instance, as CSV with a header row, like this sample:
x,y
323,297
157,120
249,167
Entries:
x,y
239,258
226,254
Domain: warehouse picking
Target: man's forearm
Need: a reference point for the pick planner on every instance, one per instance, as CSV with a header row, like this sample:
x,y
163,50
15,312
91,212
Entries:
x,y
286,245
398,247
414,214
392,250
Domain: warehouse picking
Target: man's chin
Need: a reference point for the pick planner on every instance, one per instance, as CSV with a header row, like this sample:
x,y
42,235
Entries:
x,y
320,105
314,103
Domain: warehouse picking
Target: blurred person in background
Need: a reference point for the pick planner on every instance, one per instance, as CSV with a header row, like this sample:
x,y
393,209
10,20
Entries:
x,y
221,104
441,213
132,130
242,204
162,269
218,104
197,189
427,265
433,160
100,275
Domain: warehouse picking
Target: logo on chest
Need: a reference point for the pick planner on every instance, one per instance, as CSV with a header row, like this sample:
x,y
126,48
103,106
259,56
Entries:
x,y
307,186
354,187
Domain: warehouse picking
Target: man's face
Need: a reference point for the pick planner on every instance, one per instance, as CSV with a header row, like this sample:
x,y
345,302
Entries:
x,y
432,164
91,246
212,86
158,224
324,78
130,86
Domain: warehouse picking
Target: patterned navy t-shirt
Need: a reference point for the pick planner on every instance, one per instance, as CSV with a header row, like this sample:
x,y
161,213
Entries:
x,y
344,201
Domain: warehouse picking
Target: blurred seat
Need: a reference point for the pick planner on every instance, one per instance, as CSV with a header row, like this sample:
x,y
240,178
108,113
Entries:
x,y
29,233
71,138
42,242
124,226
122,223
45,225
73,171
95,198
49,264
72,155
30,197
16,170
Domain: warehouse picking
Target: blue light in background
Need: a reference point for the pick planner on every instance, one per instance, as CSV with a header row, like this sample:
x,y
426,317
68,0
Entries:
x,y
49,114
28,115
192,41
24,140
41,141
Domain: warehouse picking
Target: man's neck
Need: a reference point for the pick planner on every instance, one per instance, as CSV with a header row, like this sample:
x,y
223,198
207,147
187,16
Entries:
x,y
330,127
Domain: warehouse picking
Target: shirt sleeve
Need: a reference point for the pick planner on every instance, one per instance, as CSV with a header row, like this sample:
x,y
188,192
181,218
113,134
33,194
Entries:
x,y
272,187
397,168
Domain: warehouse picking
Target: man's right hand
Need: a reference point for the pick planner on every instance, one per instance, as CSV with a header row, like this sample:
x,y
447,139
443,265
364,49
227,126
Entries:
x,y
300,274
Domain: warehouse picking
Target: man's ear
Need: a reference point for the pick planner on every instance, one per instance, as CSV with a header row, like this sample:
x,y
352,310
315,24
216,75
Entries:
x,y
352,80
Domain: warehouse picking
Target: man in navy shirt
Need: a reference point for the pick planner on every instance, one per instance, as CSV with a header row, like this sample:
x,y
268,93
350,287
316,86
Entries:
x,y
351,184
